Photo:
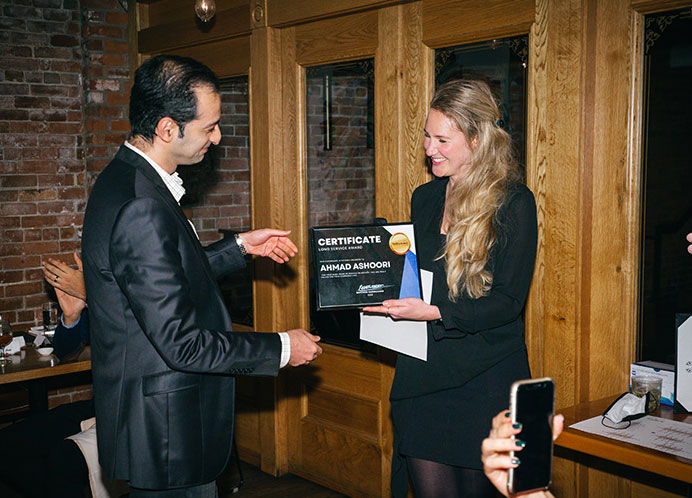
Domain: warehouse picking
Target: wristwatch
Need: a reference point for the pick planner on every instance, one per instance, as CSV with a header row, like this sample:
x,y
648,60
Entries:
x,y
241,246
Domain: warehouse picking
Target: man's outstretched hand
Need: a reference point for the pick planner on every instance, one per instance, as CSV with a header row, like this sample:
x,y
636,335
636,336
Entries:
x,y
270,243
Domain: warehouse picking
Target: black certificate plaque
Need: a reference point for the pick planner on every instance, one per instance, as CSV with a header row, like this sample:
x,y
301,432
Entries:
x,y
356,266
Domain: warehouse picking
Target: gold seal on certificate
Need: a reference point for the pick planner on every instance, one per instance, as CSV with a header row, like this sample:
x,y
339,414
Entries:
x,y
362,265
399,243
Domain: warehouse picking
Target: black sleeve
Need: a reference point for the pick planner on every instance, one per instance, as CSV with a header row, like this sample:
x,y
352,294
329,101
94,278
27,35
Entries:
x,y
68,340
224,256
514,259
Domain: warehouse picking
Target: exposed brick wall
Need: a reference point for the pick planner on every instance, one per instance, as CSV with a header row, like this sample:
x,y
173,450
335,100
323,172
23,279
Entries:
x,y
106,82
63,97
65,70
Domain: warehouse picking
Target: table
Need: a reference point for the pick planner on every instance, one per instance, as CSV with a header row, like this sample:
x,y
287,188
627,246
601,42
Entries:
x,y
639,457
29,365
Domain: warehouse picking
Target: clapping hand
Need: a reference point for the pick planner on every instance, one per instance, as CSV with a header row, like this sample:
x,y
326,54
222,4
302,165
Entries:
x,y
270,243
69,287
62,277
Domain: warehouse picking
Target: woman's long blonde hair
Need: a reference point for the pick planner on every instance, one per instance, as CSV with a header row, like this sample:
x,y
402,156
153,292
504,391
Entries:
x,y
473,202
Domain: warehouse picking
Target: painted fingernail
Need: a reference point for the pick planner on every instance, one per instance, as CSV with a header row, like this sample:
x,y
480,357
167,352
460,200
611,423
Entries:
x,y
516,461
516,426
508,414
520,443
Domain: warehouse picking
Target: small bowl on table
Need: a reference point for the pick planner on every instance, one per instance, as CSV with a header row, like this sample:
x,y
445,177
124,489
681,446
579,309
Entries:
x,y
45,351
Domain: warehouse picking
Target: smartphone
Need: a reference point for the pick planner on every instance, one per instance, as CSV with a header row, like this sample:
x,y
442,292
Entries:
x,y
532,403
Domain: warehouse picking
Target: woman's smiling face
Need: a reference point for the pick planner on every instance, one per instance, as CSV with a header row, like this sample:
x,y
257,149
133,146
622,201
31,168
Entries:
x,y
447,147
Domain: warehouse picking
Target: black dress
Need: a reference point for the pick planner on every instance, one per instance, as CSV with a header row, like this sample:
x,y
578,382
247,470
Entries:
x,y
442,409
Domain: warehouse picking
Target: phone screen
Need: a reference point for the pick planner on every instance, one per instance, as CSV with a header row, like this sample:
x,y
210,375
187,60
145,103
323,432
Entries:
x,y
532,406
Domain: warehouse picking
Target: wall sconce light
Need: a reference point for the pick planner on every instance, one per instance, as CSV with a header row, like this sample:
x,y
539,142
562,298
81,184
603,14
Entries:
x,y
205,9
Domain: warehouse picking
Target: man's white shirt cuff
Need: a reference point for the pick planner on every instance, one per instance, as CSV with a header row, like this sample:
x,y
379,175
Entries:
x,y
285,349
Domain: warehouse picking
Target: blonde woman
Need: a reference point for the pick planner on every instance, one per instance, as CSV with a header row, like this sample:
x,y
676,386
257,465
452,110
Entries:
x,y
476,231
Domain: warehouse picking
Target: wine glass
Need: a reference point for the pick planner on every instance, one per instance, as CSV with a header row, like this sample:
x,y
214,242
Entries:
x,y
5,338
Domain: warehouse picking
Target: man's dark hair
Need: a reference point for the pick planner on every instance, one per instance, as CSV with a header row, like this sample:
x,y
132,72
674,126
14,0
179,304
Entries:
x,y
164,87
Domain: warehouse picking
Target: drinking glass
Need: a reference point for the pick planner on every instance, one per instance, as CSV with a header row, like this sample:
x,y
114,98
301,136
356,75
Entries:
x,y
651,384
49,313
5,338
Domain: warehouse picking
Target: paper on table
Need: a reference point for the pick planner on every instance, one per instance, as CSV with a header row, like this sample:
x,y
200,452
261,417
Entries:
x,y
39,330
15,346
669,436
404,336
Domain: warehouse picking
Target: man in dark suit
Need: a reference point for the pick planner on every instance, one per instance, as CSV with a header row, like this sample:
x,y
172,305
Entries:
x,y
163,350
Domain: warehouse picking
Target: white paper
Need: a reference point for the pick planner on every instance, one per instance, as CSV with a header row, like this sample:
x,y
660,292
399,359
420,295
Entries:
x,y
15,346
39,330
404,336
683,365
668,436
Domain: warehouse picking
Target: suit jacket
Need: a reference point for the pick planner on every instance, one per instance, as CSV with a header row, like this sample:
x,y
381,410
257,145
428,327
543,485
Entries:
x,y
163,350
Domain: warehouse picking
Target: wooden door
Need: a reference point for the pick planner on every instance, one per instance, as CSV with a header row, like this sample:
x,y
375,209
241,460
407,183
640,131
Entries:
x,y
332,418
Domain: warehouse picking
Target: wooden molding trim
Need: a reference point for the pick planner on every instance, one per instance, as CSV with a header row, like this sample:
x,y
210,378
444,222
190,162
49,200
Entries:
x,y
183,33
653,6
331,40
448,23
225,67
283,13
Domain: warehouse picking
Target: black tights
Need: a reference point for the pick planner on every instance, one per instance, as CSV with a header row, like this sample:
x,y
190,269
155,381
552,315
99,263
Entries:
x,y
437,480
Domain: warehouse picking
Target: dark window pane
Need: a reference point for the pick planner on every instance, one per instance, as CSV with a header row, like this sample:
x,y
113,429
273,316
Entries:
x,y
502,65
341,169
666,284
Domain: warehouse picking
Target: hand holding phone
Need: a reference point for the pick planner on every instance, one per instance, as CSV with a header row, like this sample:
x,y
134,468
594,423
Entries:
x,y
532,404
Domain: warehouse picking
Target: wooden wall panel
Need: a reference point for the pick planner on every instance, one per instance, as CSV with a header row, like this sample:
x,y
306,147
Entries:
x,y
344,411
276,302
293,144
612,265
354,473
227,58
553,175
403,87
332,40
169,11
247,422
281,12
643,491
610,269
234,21
447,23
336,417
